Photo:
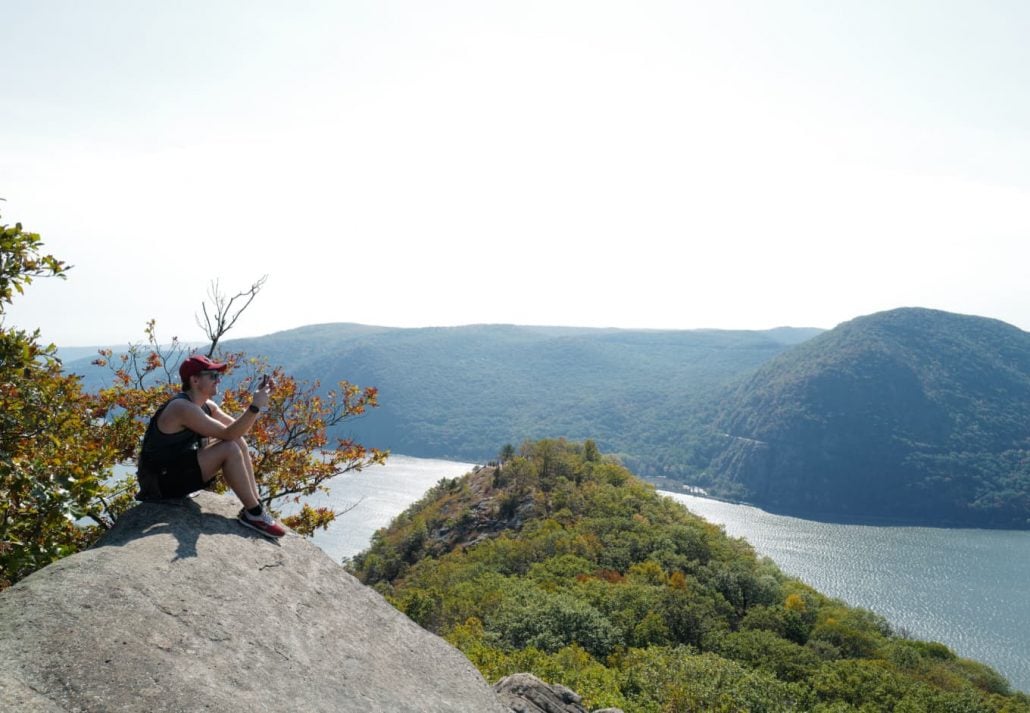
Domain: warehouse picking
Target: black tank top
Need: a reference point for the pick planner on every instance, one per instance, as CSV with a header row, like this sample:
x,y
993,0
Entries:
x,y
159,447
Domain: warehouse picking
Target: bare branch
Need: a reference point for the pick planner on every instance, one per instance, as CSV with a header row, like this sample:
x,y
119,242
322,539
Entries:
x,y
224,316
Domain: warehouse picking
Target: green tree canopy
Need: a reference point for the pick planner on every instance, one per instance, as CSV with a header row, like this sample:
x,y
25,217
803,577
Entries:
x,y
560,562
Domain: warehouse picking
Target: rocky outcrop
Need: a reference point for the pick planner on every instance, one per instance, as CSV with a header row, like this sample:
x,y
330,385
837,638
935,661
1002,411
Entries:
x,y
525,693
179,608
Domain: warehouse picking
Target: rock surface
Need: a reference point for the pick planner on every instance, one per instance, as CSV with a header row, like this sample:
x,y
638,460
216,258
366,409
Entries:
x,y
525,693
180,608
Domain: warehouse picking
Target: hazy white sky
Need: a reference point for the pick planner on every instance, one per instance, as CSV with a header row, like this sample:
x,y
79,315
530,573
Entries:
x,y
631,164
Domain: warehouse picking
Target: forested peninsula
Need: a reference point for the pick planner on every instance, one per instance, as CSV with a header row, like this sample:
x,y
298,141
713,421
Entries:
x,y
560,562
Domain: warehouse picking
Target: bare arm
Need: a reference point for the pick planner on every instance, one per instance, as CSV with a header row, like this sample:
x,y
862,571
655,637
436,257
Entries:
x,y
185,414
219,415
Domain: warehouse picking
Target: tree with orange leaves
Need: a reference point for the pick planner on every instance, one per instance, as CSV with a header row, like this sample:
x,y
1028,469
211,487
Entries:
x,y
60,445
52,452
292,452
291,449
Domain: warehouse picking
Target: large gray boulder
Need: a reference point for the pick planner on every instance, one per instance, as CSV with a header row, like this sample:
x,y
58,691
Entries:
x,y
180,608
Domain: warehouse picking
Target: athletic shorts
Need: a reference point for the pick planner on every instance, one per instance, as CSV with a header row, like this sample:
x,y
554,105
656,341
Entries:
x,y
180,475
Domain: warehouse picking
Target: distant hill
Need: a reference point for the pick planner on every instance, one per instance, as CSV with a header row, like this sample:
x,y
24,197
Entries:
x,y
457,392
912,415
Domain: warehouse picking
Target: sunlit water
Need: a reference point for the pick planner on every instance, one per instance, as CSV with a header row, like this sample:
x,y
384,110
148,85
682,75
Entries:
x,y
377,495
965,588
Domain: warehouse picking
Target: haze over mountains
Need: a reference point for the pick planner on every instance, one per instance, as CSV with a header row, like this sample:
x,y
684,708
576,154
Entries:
x,y
910,415
462,392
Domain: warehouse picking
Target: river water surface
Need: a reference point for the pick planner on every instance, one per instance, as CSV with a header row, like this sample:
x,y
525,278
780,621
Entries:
x,y
377,495
969,589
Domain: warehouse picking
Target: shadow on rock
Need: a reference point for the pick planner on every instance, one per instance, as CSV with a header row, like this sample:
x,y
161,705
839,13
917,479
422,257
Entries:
x,y
182,518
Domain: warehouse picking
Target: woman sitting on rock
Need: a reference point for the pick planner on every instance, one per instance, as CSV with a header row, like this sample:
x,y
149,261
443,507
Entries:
x,y
190,440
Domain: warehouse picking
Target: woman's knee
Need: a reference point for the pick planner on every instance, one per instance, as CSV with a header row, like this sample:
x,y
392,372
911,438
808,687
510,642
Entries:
x,y
214,458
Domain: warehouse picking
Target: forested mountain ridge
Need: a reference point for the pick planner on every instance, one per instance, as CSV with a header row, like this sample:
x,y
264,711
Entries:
x,y
560,562
456,392
913,415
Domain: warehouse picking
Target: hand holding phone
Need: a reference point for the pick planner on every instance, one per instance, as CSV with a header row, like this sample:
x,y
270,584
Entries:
x,y
261,394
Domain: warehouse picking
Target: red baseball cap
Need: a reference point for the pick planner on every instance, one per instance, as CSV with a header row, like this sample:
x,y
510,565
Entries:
x,y
198,363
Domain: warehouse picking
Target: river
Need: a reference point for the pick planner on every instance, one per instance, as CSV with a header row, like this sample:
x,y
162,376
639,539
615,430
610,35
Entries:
x,y
376,496
963,587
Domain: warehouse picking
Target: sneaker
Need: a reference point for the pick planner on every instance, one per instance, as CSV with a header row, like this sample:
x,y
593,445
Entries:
x,y
263,523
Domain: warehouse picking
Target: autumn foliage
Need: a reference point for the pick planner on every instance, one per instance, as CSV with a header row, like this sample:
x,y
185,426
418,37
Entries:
x,y
51,449
60,445
293,453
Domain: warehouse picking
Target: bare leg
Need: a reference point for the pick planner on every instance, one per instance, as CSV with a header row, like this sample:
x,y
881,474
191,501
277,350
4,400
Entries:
x,y
249,465
227,457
